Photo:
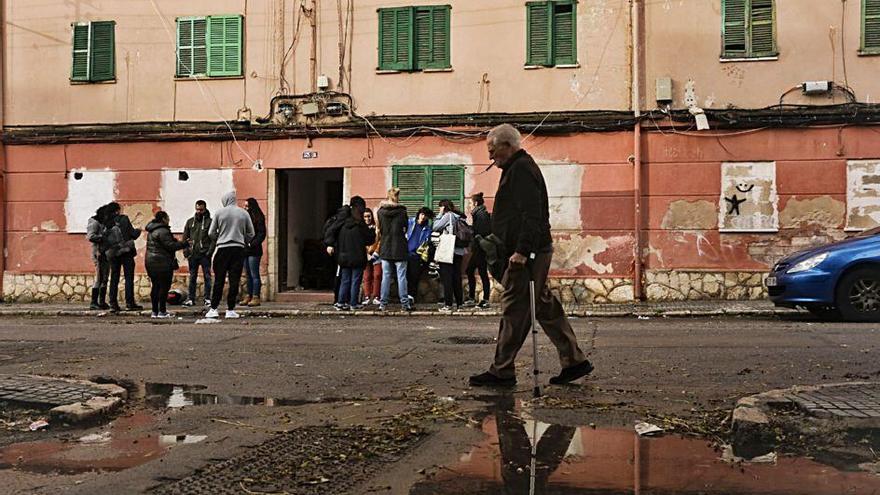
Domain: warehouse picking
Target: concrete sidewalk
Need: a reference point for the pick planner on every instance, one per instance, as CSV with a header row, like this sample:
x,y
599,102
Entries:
x,y
280,310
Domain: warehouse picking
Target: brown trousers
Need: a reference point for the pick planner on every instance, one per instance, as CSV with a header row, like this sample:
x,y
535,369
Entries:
x,y
516,318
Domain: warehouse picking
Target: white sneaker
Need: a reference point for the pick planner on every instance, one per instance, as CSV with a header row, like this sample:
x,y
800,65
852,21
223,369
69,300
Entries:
x,y
212,313
231,314
207,302
376,301
164,315
154,315
188,302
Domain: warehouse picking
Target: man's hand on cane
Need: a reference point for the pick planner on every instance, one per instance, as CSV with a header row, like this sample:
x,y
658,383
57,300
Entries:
x,y
518,259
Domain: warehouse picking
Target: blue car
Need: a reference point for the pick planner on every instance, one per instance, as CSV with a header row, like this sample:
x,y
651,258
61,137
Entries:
x,y
835,281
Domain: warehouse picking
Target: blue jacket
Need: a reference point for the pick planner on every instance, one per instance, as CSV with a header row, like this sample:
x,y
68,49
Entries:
x,y
416,235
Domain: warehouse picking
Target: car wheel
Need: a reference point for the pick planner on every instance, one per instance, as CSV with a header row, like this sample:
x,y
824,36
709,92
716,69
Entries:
x,y
858,295
824,313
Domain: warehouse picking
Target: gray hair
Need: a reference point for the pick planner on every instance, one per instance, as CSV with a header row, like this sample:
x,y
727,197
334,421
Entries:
x,y
505,134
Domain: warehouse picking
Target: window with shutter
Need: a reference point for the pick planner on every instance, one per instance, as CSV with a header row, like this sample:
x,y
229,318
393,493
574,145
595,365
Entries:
x,y
414,38
192,46
551,33
427,185
870,27
748,28
94,52
210,46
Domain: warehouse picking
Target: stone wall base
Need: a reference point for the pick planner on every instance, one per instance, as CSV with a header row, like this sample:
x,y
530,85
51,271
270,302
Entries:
x,y
659,286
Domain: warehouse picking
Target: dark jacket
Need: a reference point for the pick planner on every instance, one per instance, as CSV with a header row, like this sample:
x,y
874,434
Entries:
x,y
481,221
255,247
392,222
352,240
120,236
196,230
522,210
333,224
161,246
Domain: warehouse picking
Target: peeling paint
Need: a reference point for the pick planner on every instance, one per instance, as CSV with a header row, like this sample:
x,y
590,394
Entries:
x,y
50,226
748,201
86,191
139,213
862,194
823,211
690,215
563,181
580,250
180,189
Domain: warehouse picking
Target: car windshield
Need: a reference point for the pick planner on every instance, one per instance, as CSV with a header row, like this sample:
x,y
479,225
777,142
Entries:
x,y
869,232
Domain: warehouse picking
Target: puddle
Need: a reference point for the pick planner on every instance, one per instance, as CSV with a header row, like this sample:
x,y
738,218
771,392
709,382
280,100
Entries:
x,y
124,445
581,460
177,396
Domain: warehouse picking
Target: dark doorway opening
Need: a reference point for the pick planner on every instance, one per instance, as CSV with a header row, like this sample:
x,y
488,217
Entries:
x,y
306,199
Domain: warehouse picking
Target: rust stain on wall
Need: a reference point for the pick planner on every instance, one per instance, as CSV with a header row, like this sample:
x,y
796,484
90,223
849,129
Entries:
x,y
690,215
823,211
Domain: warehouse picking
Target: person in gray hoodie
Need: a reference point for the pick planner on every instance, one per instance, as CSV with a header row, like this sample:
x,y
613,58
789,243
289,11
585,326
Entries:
x,y
231,230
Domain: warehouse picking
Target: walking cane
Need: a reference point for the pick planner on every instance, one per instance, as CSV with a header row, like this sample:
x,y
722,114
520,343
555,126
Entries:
x,y
535,372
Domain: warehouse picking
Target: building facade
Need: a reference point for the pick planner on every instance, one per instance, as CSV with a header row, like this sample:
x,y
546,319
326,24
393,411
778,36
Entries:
x,y
302,104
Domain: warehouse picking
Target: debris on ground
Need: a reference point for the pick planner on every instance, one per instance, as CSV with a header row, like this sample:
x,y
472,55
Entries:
x,y
647,429
38,425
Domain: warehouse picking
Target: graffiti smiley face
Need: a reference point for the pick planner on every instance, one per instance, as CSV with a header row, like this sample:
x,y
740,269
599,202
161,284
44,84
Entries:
x,y
744,188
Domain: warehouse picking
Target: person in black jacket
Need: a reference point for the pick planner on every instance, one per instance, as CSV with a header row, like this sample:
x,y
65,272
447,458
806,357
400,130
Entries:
x,y
482,223
199,255
392,220
120,237
521,218
352,240
161,262
254,253
330,231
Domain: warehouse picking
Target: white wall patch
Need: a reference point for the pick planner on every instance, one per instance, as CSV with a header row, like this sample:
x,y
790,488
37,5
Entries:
x,y
182,187
86,191
748,202
862,194
564,191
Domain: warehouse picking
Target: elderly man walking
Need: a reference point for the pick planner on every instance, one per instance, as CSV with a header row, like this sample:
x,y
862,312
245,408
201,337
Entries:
x,y
521,219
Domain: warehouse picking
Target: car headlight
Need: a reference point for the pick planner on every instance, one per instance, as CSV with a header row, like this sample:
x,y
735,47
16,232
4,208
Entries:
x,y
808,263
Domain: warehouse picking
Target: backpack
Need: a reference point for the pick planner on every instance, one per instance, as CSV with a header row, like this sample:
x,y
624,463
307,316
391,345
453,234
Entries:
x,y
464,233
116,242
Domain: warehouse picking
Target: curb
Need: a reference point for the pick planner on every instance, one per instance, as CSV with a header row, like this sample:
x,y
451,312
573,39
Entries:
x,y
288,313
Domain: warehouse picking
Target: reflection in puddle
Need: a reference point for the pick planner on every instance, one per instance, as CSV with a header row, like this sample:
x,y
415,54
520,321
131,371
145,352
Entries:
x,y
177,396
124,446
569,460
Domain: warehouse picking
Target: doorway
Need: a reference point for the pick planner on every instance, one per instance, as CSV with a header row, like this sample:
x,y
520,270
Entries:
x,y
306,199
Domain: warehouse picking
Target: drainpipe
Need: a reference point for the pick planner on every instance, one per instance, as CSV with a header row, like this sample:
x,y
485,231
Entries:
x,y
635,49
3,244
313,62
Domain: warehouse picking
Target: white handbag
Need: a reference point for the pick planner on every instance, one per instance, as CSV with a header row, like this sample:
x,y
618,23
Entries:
x,y
446,249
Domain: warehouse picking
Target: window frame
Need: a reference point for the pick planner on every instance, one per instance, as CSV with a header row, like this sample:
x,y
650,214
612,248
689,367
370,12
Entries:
x,y
552,31
209,73
748,53
429,198
863,37
412,62
89,53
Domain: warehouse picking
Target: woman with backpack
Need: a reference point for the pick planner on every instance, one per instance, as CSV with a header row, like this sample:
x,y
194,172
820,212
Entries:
x,y
450,273
161,262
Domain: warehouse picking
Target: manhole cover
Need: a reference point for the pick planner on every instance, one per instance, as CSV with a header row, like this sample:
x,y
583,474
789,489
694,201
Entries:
x,y
466,340
311,460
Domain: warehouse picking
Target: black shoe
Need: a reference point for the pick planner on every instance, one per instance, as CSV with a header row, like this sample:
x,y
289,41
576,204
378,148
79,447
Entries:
x,y
133,307
572,373
489,380
94,305
114,308
102,299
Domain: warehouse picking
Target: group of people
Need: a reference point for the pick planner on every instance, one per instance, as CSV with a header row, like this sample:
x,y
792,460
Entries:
x,y
222,246
373,250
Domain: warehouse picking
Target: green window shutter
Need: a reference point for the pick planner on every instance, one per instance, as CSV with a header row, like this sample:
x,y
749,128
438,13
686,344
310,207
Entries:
x,y
192,47
432,37
80,67
762,29
224,42
447,182
871,26
564,47
396,28
413,185
102,51
538,49
733,31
